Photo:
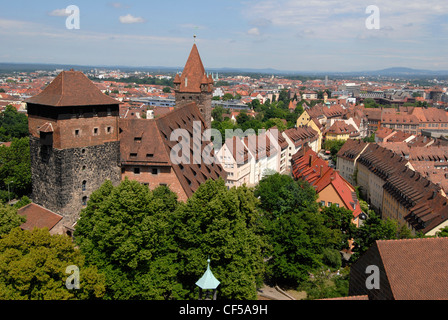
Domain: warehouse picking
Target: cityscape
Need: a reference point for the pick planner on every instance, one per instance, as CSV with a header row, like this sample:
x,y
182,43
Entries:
x,y
219,166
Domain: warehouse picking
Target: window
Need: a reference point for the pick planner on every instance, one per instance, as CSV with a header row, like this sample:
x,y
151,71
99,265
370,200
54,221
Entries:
x,y
155,171
77,133
109,130
138,139
329,204
133,155
84,201
136,170
322,203
84,185
149,155
95,131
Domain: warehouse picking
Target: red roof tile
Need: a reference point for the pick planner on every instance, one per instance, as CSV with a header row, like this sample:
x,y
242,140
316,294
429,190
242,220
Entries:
x,y
71,88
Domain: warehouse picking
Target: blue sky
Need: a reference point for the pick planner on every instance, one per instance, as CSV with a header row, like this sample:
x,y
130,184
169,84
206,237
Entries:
x,y
314,35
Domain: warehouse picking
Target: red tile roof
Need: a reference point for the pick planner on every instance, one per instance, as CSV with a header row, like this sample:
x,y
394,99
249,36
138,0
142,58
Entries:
x,y
193,75
71,88
307,165
38,217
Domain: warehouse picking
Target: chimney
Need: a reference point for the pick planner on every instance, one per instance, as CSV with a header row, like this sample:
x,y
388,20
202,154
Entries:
x,y
321,170
310,160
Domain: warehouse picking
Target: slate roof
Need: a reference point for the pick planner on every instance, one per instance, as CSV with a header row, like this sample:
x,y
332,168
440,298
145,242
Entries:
x,y
71,88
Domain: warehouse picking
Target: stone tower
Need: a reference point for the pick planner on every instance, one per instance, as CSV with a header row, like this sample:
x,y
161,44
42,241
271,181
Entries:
x,y
195,86
74,142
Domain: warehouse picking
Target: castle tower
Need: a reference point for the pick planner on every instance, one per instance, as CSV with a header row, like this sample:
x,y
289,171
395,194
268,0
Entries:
x,y
74,142
195,86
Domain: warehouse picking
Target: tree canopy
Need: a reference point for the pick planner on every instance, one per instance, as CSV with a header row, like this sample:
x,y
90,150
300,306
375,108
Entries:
x,y
33,266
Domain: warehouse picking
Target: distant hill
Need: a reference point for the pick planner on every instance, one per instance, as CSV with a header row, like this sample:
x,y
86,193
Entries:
x,y
389,72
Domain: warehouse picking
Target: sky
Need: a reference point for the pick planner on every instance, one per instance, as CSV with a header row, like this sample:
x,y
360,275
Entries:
x,y
313,35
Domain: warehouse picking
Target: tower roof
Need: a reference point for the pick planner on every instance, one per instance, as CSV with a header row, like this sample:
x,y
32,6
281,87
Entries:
x,y
194,73
208,280
71,88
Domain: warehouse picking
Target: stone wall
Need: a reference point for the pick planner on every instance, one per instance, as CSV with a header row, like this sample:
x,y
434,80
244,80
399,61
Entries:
x,y
58,181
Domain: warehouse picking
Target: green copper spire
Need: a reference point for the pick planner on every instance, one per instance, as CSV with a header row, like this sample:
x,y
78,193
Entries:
x,y
208,280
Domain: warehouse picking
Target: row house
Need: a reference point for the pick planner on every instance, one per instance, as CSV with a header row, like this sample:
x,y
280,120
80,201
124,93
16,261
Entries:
x,y
236,160
413,200
264,156
393,187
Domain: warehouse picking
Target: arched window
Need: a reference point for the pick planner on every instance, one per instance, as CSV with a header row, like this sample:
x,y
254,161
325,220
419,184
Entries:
x,y
84,185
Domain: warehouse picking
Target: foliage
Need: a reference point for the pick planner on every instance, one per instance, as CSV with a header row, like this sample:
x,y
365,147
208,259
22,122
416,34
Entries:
x,y
15,169
280,194
126,232
325,284
12,124
224,225
334,146
339,220
33,266
373,229
9,219
294,227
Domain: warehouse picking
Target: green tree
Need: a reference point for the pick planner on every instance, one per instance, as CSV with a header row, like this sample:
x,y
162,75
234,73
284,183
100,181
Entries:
x,y
13,124
126,232
339,220
33,267
167,90
373,229
221,224
334,146
294,228
15,169
280,194
227,96
9,219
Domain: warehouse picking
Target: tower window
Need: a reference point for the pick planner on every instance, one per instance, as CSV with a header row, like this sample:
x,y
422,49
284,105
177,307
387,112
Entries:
x,y
95,131
77,133
84,201
84,185
109,129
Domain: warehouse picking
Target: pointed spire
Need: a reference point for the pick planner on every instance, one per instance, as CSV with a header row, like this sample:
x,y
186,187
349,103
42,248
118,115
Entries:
x,y
208,280
194,71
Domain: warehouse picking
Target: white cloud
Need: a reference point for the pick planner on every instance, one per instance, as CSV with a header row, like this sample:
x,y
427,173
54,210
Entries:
x,y
59,13
129,19
254,32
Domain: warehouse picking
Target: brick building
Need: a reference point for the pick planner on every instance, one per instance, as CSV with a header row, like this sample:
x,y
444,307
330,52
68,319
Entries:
x,y
78,141
74,144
